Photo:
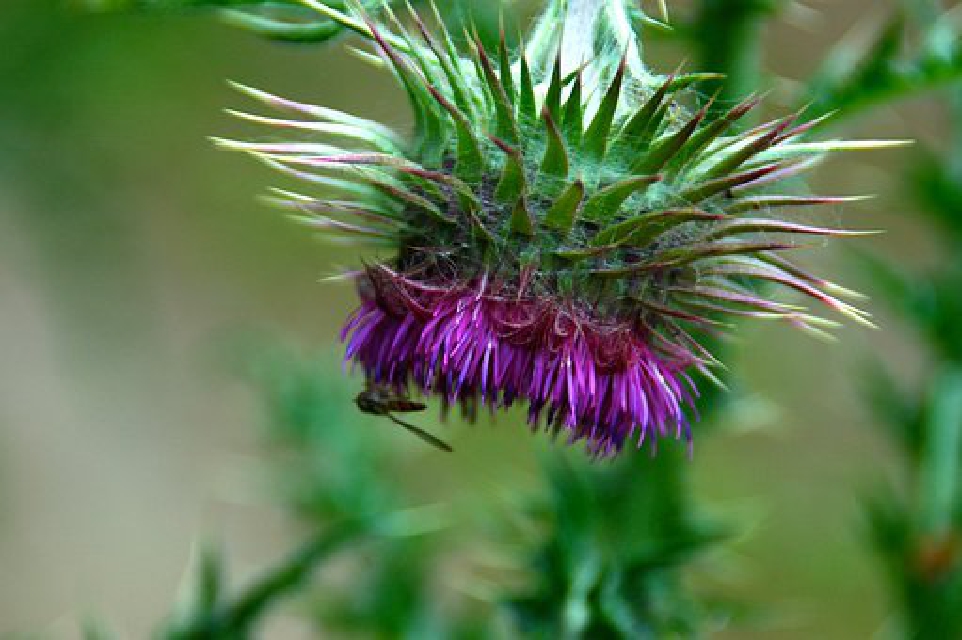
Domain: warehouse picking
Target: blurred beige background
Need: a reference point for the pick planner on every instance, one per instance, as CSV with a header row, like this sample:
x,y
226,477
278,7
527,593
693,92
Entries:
x,y
131,251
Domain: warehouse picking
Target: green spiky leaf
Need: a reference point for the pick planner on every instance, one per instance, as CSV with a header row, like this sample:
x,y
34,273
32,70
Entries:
x,y
555,162
522,222
512,182
527,107
606,202
596,138
561,215
574,115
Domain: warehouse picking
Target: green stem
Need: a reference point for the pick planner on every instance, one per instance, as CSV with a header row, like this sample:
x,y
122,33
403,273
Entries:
x,y
942,456
727,36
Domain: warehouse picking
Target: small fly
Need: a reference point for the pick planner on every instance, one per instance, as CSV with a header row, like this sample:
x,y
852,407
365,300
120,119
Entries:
x,y
378,401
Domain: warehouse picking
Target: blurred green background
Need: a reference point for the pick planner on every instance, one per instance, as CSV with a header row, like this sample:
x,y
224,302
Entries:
x,y
134,258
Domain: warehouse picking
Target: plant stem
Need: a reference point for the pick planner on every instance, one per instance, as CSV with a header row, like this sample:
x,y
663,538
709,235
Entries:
x,y
943,452
727,36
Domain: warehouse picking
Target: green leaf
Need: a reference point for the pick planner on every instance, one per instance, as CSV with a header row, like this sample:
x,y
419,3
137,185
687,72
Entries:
x,y
583,253
741,154
450,66
562,214
705,190
527,107
482,234
555,162
574,115
282,30
764,203
400,193
606,202
641,229
552,101
709,133
507,125
699,251
522,222
507,81
596,138
942,456
635,132
792,150
466,196
884,73
512,184
666,148
429,126
470,162
741,226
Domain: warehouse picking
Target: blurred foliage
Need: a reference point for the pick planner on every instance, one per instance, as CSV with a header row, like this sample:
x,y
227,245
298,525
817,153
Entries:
x,y
611,565
918,532
917,528
340,468
335,469
285,20
211,614
903,60
336,477
293,21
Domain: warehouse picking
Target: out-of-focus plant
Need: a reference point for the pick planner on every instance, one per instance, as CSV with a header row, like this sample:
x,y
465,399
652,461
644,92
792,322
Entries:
x,y
916,525
284,20
291,20
893,66
338,478
212,613
612,564
337,467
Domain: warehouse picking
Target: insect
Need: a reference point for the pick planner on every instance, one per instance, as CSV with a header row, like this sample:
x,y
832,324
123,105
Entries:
x,y
378,401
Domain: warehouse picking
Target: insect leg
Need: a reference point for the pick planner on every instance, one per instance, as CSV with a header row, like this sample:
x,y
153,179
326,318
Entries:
x,y
421,433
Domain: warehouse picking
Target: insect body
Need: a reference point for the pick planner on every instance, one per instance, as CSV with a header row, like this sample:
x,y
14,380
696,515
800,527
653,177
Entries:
x,y
383,402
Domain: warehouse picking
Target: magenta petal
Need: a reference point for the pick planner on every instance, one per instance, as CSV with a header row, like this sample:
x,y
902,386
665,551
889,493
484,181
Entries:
x,y
604,390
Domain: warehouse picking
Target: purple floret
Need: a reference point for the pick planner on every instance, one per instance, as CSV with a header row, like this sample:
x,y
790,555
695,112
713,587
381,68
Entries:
x,y
599,382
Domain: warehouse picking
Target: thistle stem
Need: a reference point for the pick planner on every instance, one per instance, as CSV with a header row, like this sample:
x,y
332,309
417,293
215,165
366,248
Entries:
x,y
727,35
942,455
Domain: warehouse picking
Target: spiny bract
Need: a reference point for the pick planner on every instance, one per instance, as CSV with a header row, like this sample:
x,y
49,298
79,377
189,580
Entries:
x,y
558,237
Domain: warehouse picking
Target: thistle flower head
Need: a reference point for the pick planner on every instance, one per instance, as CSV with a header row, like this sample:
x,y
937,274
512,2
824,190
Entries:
x,y
560,229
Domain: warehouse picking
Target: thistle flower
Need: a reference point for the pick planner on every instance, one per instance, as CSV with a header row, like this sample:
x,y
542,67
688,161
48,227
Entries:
x,y
560,229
